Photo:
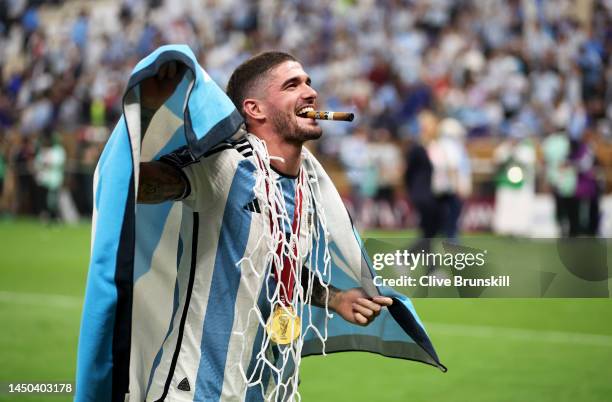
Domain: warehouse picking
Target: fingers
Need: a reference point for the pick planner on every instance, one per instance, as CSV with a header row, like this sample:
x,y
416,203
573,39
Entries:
x,y
155,90
382,300
168,71
369,304
172,68
364,311
163,72
361,320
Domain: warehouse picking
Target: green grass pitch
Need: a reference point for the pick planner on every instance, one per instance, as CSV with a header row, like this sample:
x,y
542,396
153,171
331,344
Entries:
x,y
495,349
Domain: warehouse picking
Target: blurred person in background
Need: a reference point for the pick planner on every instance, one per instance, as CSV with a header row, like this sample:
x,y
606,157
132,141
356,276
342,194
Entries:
x,y
418,182
388,165
23,161
87,154
2,174
561,177
515,158
49,168
80,30
38,113
357,164
452,174
585,212
30,20
482,65
8,202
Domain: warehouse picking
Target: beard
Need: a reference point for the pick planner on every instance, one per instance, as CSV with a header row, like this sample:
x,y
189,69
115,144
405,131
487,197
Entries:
x,y
293,128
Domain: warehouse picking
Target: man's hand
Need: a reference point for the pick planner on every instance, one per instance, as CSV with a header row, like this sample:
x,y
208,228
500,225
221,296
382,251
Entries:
x,y
356,307
155,90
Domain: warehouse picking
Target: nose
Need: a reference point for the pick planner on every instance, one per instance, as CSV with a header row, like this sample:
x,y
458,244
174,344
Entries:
x,y
309,94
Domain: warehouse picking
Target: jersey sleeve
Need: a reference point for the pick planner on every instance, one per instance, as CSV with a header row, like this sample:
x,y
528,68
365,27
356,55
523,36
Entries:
x,y
192,171
207,178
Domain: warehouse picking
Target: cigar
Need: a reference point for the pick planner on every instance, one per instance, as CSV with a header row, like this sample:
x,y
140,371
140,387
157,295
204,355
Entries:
x,y
342,116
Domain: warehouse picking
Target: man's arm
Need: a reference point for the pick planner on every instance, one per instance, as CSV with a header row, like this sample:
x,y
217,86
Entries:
x,y
353,305
320,296
160,182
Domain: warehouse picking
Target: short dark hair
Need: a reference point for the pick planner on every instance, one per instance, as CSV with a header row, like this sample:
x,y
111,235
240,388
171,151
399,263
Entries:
x,y
248,74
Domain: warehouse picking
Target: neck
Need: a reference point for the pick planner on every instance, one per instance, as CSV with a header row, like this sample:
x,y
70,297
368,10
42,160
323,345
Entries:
x,y
291,152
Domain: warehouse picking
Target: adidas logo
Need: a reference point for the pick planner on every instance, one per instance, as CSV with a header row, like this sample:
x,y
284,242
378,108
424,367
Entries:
x,y
184,385
253,206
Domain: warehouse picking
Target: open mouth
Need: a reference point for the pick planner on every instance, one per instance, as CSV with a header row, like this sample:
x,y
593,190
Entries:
x,y
303,110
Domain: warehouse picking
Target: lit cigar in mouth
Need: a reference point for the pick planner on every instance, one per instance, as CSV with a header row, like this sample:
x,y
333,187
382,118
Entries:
x,y
341,116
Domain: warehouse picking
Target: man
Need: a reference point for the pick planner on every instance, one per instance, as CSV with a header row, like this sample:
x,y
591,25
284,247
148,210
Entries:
x,y
219,296
49,168
418,181
269,90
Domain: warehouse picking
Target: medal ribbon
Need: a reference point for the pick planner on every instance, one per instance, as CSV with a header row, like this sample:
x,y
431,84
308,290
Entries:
x,y
288,271
289,258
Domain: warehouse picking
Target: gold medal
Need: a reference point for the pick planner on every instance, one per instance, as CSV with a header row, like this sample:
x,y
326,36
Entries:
x,y
284,325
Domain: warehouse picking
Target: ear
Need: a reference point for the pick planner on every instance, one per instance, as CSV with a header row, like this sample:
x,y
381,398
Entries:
x,y
253,109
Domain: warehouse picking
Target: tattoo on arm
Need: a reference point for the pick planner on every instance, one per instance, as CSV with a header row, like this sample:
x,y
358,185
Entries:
x,y
321,295
160,182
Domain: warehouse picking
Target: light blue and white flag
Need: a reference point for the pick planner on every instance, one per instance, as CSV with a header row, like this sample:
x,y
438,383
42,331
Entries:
x,y
198,114
176,292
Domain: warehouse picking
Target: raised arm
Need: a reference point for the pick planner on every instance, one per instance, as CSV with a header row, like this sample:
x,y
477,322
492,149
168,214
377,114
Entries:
x,y
160,182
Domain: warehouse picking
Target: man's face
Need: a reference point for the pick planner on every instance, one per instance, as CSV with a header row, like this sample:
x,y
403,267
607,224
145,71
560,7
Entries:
x,y
287,91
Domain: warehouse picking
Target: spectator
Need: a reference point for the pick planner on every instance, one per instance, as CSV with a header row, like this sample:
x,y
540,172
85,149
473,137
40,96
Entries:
x,y
49,169
515,190
452,174
357,164
387,164
584,213
23,160
487,66
561,177
80,30
418,182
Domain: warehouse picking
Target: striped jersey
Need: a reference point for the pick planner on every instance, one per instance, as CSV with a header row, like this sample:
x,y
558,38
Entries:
x,y
202,353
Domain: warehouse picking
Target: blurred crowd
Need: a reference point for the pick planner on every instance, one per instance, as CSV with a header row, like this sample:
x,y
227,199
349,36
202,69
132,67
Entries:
x,y
483,69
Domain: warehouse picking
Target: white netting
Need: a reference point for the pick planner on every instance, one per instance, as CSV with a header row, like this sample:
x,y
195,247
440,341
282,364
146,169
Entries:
x,y
275,368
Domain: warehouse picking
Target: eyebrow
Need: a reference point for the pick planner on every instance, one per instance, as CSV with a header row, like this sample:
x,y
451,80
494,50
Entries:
x,y
295,80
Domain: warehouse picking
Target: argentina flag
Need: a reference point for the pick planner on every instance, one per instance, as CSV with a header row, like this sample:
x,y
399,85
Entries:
x,y
166,313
